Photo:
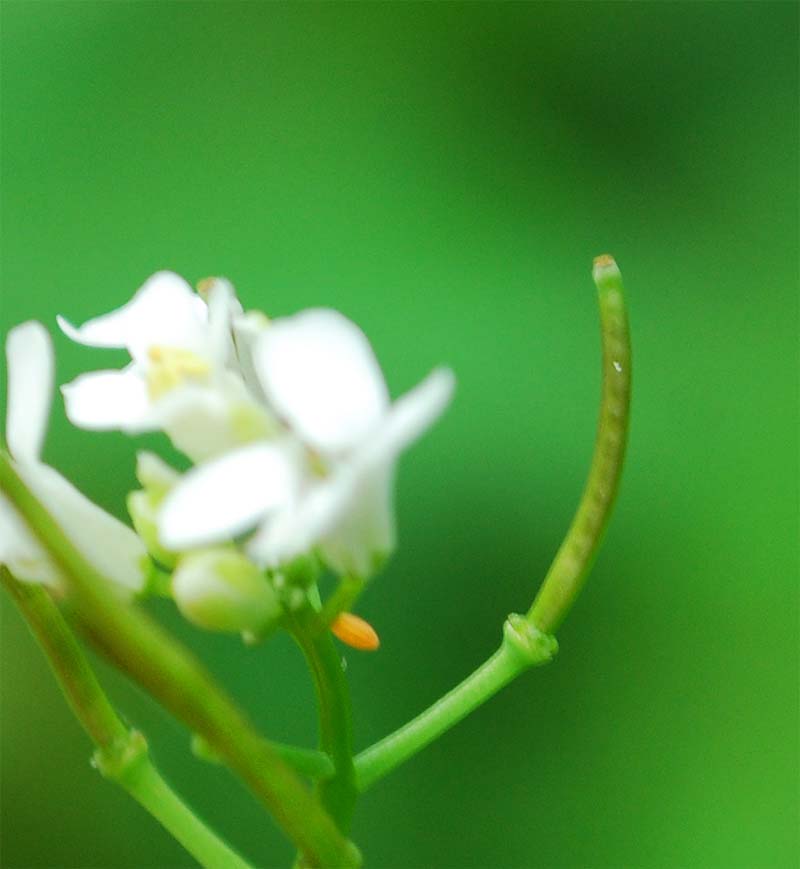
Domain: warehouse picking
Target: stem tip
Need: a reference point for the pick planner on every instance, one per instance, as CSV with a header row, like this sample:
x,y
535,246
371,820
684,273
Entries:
x,y
605,271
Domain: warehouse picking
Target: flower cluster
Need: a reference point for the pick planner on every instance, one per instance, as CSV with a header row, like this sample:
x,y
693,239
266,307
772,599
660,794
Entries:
x,y
288,425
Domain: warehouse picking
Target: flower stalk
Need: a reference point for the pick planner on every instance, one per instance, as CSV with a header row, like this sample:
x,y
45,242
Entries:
x,y
337,792
522,647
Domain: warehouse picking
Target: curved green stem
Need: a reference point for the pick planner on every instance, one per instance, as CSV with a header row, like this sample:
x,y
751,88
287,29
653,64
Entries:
x,y
141,648
575,557
121,753
338,792
527,639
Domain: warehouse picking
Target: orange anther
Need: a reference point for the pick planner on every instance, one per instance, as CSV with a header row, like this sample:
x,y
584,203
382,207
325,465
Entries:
x,y
355,632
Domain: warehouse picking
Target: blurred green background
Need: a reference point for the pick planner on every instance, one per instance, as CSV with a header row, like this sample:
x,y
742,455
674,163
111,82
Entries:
x,y
444,174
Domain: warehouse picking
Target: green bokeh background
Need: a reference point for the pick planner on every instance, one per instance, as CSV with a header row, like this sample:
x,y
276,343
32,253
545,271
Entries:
x,y
443,174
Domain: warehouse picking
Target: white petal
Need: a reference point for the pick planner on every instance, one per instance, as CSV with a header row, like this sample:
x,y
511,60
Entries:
x,y
365,534
102,400
29,352
298,527
197,420
319,372
110,546
409,418
349,516
204,421
21,552
222,307
165,311
247,329
225,497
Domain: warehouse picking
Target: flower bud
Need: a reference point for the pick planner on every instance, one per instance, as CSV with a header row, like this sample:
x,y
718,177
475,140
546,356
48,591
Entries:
x,y
221,590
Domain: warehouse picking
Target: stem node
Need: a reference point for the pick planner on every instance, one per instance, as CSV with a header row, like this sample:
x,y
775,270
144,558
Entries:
x,y
528,644
122,759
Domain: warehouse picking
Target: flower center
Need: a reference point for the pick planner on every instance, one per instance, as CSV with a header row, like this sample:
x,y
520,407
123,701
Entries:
x,y
172,366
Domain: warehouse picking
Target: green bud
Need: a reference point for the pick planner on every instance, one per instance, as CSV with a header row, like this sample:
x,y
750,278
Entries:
x,y
221,590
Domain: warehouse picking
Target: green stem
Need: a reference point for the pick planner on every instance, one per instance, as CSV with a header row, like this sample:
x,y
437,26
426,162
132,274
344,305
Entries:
x,y
527,639
152,792
121,753
338,792
306,761
576,555
343,598
141,648
523,647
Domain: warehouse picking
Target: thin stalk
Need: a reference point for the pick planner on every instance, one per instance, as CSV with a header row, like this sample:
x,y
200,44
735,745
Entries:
x,y
141,648
307,761
528,639
121,753
343,597
338,792
522,647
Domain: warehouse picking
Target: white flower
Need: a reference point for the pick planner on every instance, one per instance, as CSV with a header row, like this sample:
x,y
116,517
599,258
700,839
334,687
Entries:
x,y
328,483
109,545
183,378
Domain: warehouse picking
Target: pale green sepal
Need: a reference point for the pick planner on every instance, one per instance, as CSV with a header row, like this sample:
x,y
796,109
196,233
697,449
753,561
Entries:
x,y
143,508
155,475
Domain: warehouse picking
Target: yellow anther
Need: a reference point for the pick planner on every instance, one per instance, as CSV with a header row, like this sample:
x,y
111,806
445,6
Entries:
x,y
171,366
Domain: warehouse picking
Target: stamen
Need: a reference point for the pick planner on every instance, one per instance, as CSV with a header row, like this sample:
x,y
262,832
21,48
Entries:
x,y
171,366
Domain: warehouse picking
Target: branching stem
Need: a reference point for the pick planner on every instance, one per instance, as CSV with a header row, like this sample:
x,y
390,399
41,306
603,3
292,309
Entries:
x,y
528,639
121,753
